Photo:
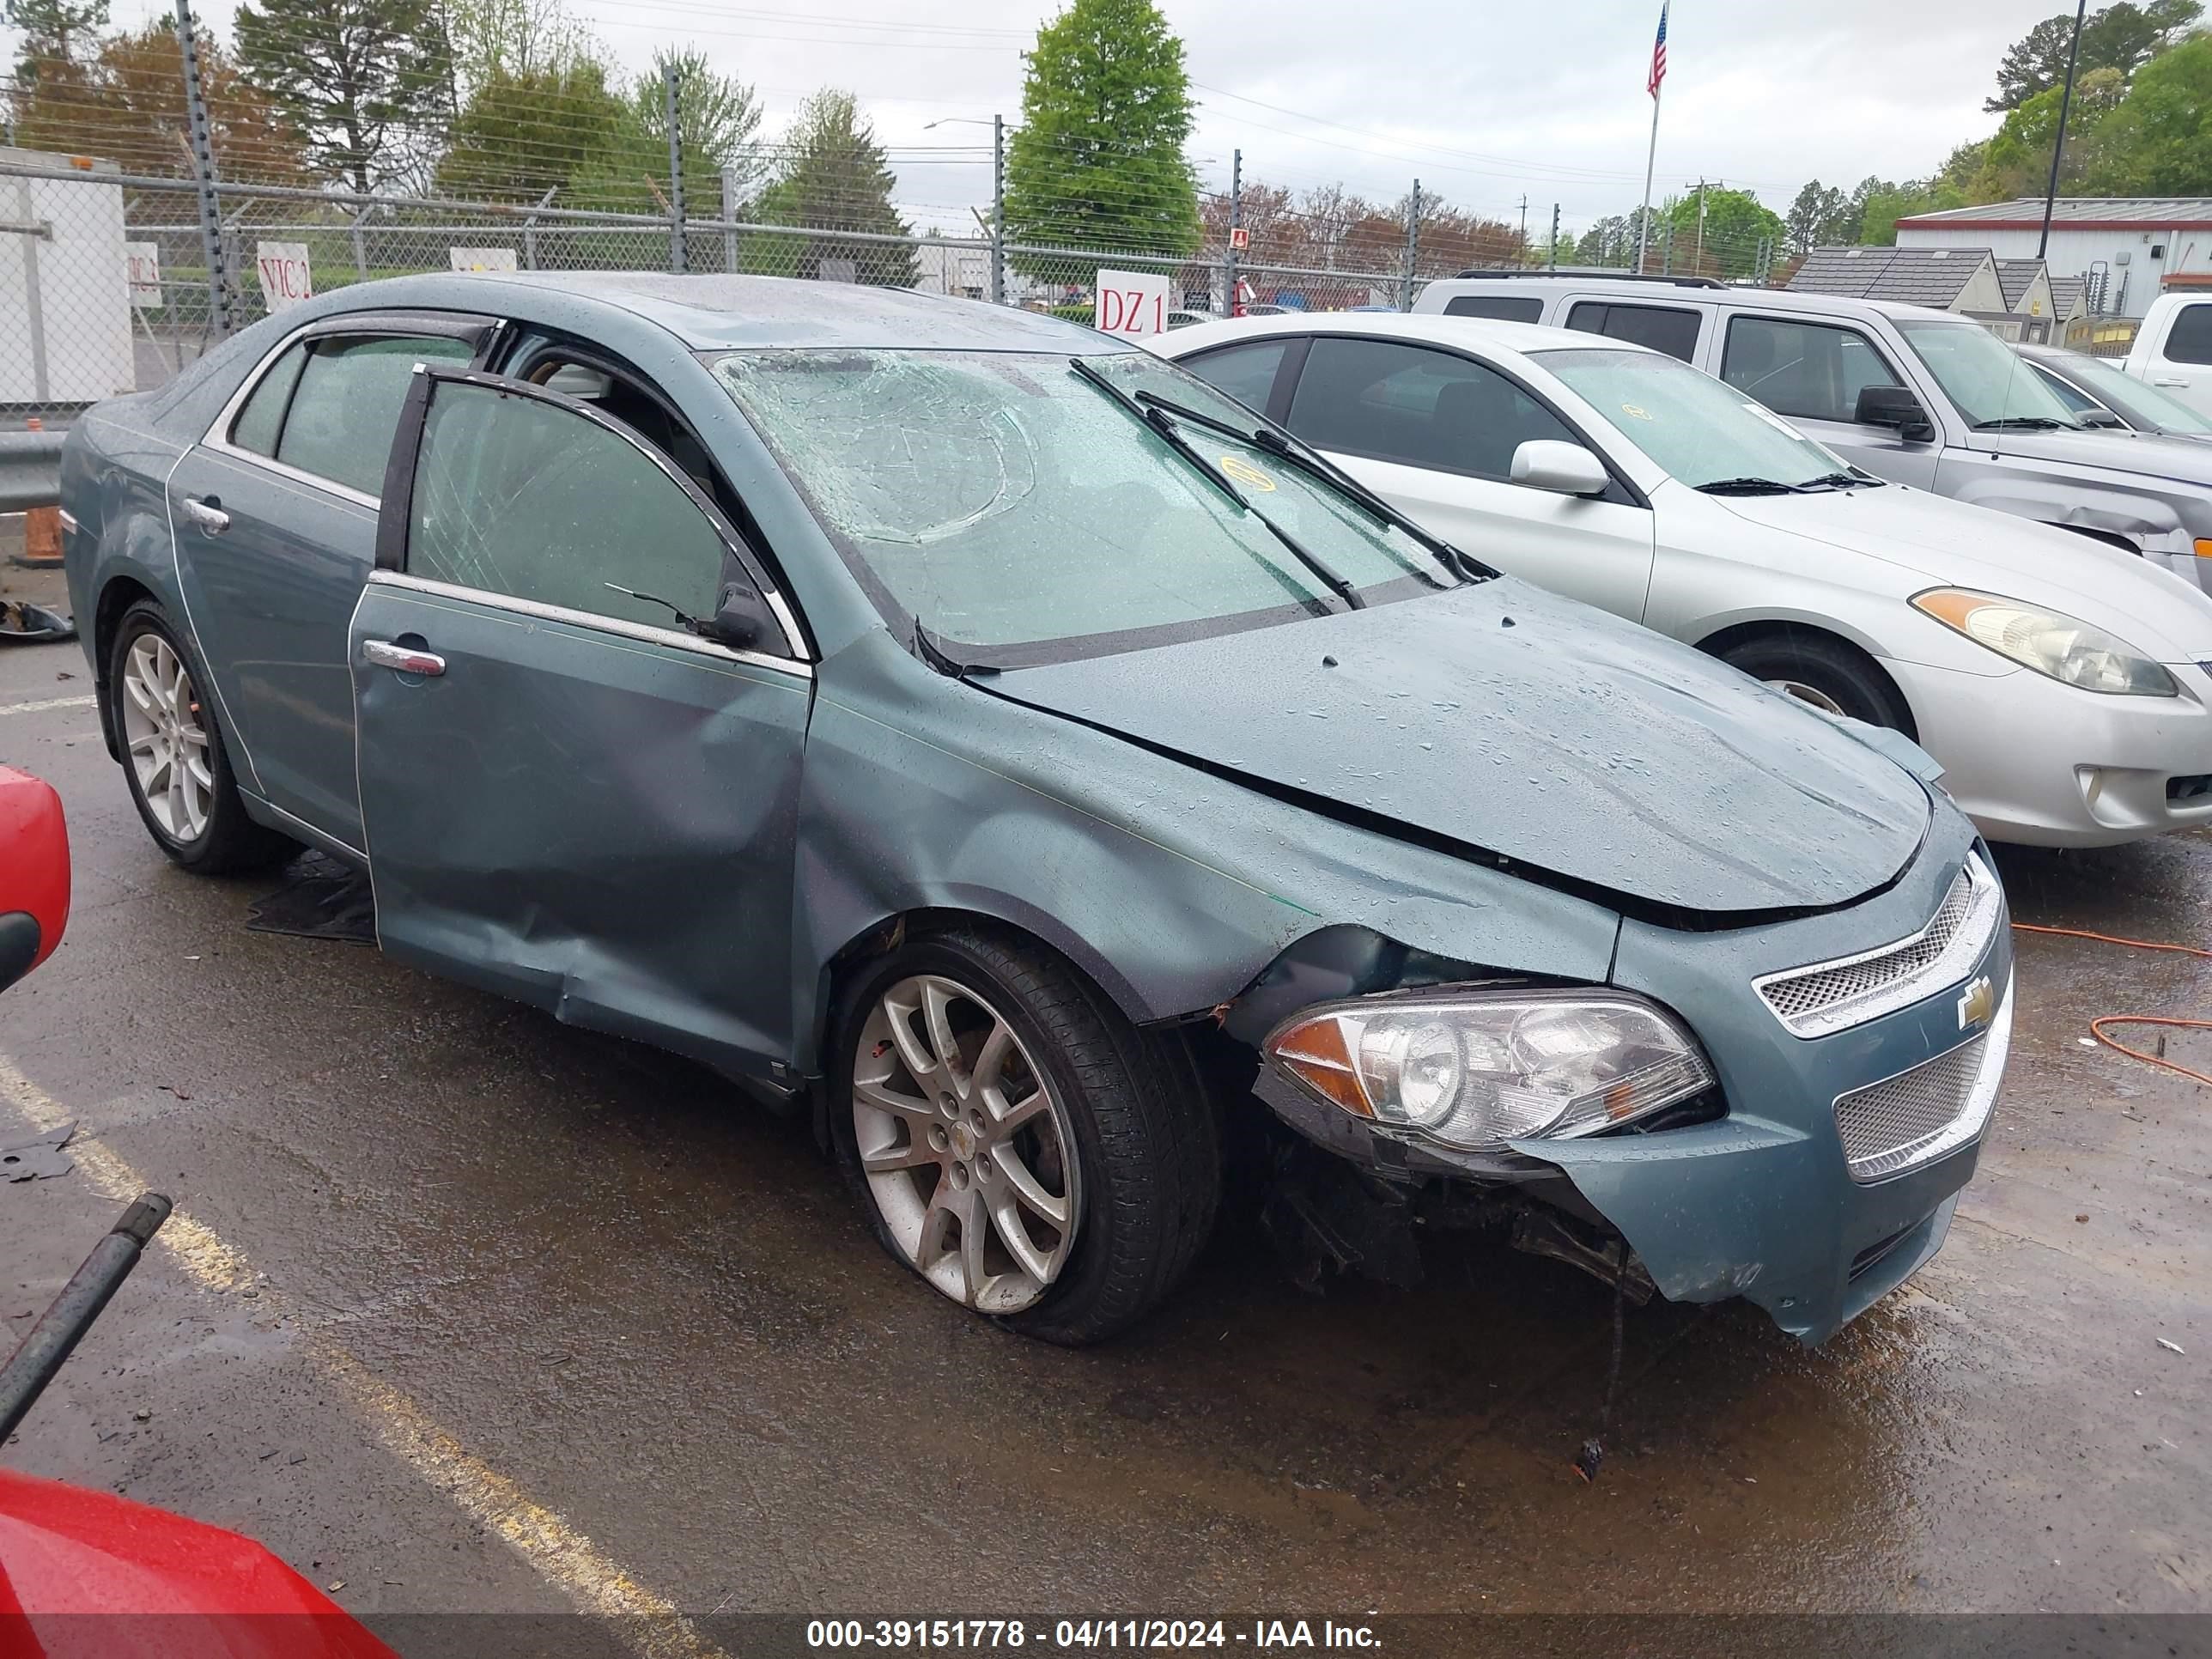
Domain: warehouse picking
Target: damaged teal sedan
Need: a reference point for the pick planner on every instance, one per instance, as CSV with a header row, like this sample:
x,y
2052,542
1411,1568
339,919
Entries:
x,y
991,740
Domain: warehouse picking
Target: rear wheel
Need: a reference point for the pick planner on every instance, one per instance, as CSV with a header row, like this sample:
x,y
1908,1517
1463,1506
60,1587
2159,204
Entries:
x,y
172,752
1830,676
1017,1143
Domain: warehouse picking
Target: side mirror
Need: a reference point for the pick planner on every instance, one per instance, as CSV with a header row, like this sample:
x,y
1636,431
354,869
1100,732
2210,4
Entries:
x,y
1562,468
1894,405
2100,418
741,619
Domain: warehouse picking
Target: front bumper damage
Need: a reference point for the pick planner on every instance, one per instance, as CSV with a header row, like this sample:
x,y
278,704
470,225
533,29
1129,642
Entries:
x,y
1759,1201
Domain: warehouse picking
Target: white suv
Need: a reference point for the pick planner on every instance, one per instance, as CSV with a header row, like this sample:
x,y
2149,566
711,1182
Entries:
x,y
1917,396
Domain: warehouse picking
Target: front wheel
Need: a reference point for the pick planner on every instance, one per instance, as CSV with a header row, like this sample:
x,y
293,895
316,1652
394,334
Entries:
x,y
1019,1144
1828,674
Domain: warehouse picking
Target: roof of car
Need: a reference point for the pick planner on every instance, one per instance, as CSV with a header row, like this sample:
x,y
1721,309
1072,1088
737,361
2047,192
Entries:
x,y
712,312
1392,325
1627,288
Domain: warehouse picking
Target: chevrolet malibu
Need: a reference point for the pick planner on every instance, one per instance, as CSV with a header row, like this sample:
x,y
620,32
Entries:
x,y
987,738
2065,686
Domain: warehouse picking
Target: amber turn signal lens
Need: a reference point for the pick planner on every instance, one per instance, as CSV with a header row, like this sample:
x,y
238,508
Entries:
x,y
1316,1052
2203,549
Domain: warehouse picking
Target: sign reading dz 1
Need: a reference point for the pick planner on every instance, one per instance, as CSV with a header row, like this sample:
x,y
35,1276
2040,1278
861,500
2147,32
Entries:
x,y
1132,304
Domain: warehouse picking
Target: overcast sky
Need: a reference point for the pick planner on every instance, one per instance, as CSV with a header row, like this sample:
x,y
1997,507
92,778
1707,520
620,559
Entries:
x,y
1483,102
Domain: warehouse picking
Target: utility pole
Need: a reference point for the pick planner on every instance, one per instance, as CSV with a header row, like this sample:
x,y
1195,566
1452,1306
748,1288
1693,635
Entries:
x,y
1699,269
676,261
1555,235
1412,244
1231,306
2059,146
202,153
998,210
1524,226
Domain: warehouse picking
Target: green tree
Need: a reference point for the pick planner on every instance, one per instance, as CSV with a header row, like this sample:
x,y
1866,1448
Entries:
x,y
718,117
1098,159
835,177
1736,223
2123,36
521,134
359,77
2016,159
2159,141
55,32
1821,216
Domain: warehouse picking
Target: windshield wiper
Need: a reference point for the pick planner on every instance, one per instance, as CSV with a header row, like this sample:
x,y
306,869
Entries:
x,y
1318,467
2025,423
1161,423
1748,487
1845,481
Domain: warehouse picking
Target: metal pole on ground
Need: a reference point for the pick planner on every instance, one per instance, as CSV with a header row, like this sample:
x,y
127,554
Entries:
x,y
202,153
1230,306
676,251
998,210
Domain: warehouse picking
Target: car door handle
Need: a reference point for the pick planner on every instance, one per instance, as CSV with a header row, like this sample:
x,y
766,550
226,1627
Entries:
x,y
207,514
401,659
2167,379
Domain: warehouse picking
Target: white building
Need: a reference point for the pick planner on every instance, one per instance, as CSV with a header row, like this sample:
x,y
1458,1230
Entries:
x,y
2125,248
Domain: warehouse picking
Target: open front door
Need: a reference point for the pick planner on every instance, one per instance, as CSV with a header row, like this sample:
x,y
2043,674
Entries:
x,y
569,796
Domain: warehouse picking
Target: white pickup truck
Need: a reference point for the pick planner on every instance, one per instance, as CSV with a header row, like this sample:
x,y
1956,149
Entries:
x,y
2173,349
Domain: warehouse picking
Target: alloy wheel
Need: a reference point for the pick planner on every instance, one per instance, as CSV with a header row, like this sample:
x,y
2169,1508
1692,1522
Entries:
x,y
1811,694
167,738
966,1146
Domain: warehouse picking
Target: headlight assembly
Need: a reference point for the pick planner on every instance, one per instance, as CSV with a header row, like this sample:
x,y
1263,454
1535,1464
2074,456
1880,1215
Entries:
x,y
2049,641
1473,1070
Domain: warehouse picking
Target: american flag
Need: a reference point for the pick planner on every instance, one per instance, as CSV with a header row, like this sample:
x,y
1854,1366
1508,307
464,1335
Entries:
x,y
1658,56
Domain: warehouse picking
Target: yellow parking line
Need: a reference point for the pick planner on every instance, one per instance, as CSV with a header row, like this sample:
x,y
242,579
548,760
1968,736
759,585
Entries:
x,y
559,1553
44,704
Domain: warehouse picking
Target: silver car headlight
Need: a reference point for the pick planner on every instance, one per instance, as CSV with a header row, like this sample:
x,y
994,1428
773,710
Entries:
x,y
2049,641
1473,1070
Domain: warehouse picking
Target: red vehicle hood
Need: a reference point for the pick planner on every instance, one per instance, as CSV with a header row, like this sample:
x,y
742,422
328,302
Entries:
x,y
84,1573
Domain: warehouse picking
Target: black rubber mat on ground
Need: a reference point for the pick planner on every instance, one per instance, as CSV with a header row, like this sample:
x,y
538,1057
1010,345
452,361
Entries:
x,y
323,899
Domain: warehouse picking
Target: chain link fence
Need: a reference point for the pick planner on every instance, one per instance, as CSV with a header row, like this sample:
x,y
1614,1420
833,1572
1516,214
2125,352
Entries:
x,y
104,284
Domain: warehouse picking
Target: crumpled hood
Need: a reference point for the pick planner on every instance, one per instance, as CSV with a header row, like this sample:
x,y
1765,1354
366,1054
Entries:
x,y
1513,723
1954,544
2145,453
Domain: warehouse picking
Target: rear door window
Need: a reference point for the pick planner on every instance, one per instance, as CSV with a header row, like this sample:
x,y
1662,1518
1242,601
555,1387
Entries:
x,y
345,406
262,418
1663,328
1814,371
2191,339
1246,373
520,497
1499,308
1416,407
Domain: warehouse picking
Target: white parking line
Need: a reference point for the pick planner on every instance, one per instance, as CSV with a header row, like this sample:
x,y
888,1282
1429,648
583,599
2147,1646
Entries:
x,y
559,1552
40,707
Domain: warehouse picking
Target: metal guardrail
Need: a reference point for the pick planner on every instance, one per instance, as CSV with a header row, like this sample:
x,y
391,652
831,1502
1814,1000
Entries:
x,y
30,470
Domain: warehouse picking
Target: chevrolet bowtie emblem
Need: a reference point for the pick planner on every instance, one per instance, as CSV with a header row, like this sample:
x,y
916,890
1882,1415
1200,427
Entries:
x,y
1977,1004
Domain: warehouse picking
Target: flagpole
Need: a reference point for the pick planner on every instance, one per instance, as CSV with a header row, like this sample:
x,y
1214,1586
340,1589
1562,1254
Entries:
x,y
1651,158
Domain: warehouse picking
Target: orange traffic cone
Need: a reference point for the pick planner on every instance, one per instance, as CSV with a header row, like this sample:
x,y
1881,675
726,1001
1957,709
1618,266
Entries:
x,y
42,529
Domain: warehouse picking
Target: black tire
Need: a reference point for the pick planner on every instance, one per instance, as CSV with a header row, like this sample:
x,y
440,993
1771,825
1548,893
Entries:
x,y
1838,673
1147,1139
231,841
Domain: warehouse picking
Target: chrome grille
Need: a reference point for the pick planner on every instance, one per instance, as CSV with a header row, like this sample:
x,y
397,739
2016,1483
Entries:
x,y
1833,996
1919,1114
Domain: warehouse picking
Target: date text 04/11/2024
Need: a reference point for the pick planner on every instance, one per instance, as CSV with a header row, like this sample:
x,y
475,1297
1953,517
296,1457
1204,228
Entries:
x,y
1072,1635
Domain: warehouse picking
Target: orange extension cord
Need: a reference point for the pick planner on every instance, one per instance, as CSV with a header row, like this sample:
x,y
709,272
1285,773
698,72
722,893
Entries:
x,y
2097,1026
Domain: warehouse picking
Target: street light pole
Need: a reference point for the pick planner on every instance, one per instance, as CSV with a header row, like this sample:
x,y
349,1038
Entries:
x,y
2059,146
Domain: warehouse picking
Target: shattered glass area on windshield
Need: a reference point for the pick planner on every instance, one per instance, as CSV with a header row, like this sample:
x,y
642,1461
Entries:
x,y
1001,500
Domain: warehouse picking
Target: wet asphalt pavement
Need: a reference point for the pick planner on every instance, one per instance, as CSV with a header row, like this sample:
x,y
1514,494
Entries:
x,y
483,1313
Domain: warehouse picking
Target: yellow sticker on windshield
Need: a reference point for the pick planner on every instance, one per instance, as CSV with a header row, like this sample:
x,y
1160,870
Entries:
x,y
1245,473
1634,413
